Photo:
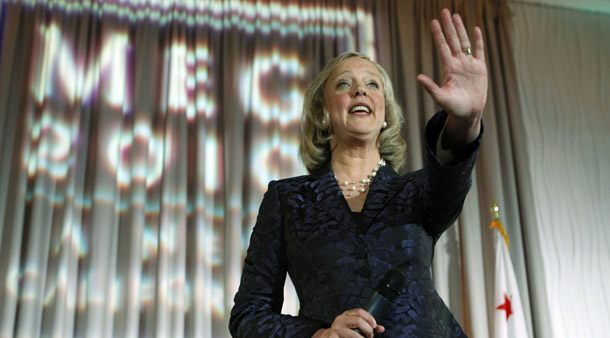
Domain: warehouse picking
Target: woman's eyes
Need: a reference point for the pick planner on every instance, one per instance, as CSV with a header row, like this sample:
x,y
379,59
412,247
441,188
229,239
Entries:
x,y
345,84
342,84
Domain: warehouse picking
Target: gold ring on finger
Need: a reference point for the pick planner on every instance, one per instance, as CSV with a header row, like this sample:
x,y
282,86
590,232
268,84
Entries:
x,y
467,51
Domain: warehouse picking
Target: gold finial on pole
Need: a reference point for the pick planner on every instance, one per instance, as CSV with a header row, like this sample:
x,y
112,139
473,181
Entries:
x,y
495,223
495,211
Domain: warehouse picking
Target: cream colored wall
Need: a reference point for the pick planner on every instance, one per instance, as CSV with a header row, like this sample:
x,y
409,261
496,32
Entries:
x,y
599,6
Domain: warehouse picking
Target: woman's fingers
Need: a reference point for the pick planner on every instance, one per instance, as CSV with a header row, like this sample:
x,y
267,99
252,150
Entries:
x,y
439,38
361,319
362,313
479,48
461,32
451,35
345,325
452,39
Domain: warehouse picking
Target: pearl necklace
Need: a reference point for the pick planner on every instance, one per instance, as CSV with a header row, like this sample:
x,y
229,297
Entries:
x,y
351,187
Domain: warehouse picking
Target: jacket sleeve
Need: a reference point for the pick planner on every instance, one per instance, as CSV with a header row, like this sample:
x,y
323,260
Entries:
x,y
258,302
444,187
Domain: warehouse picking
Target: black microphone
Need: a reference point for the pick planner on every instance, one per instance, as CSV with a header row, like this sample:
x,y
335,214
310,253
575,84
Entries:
x,y
385,294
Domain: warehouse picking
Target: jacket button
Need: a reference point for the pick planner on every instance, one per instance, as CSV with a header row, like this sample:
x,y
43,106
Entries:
x,y
366,292
361,252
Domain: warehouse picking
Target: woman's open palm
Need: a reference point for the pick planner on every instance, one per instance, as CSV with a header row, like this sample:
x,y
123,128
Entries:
x,y
463,91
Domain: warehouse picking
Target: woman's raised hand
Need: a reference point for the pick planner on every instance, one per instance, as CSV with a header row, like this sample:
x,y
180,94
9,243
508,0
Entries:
x,y
463,92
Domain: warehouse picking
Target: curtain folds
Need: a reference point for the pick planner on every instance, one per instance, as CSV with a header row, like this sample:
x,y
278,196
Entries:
x,y
463,266
563,73
138,139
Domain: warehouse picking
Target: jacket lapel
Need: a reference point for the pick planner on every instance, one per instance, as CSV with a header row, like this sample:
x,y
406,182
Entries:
x,y
382,191
327,196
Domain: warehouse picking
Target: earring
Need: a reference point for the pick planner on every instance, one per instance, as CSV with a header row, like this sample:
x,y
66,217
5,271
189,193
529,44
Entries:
x,y
323,121
384,125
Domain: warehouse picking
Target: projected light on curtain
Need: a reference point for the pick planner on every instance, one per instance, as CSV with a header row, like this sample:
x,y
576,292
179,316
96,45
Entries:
x,y
140,154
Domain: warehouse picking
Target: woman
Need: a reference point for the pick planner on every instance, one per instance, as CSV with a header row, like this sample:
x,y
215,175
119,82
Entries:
x,y
339,230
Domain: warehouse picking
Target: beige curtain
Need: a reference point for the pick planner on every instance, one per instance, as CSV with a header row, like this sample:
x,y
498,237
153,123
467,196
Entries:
x,y
138,138
464,257
562,60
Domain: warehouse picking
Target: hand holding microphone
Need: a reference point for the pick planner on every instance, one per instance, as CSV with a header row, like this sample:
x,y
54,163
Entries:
x,y
382,300
385,294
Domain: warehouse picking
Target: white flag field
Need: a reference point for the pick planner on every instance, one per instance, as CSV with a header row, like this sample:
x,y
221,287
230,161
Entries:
x,y
509,320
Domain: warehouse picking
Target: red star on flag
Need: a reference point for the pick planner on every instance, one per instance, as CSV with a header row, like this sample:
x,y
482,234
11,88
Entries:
x,y
506,307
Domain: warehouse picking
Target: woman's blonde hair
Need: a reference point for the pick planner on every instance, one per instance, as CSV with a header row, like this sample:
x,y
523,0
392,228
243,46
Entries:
x,y
315,140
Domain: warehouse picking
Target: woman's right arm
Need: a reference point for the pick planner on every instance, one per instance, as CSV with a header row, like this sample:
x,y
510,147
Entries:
x,y
258,302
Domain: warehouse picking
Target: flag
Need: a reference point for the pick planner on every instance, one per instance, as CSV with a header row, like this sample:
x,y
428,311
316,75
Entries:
x,y
509,319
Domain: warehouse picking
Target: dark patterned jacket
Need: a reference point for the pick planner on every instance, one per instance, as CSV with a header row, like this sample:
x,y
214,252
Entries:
x,y
335,258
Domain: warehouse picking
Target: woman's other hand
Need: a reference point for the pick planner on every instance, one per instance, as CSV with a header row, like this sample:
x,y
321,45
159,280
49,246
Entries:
x,y
345,323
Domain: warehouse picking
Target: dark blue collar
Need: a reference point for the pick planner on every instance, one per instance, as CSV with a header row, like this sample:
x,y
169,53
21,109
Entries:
x,y
325,188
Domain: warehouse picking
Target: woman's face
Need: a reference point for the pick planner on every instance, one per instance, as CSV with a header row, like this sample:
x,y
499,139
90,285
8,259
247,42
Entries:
x,y
353,97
